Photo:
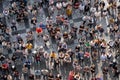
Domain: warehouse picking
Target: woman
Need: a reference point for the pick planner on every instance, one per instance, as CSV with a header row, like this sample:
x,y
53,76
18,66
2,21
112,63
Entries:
x,y
9,77
95,56
46,40
86,8
57,64
31,77
65,35
46,57
59,5
93,70
37,58
86,71
71,75
52,55
58,77
50,76
77,76
61,57
67,60
76,4
25,72
34,20
75,64
69,10
39,32
105,72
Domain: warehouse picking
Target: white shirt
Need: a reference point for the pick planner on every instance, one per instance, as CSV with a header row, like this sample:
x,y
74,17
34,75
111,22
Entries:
x,y
97,14
103,57
51,1
92,9
59,5
64,4
81,7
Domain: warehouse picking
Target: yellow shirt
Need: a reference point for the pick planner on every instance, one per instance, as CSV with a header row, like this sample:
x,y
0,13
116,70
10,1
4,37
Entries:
x,y
68,12
53,55
29,46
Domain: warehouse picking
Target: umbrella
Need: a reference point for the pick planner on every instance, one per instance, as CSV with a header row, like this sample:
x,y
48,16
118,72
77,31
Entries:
x,y
87,44
5,66
87,54
39,30
37,72
44,71
71,75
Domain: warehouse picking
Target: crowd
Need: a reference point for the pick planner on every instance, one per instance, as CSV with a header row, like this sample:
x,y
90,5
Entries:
x,y
80,62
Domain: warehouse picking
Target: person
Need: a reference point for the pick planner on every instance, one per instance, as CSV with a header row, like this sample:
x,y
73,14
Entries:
x,y
75,64
37,74
71,75
44,73
29,47
27,64
13,68
69,10
39,31
34,20
25,72
116,73
58,77
103,57
14,27
76,4
105,72
37,58
57,64
46,40
80,56
6,12
16,75
50,76
93,70
59,5
77,48
61,58
77,76
9,77
31,77
86,8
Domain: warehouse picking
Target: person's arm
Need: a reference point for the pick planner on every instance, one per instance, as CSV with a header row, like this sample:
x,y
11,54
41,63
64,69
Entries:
x,y
65,59
50,78
69,60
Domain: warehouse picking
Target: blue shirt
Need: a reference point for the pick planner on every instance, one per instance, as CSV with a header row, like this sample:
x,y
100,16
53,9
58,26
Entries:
x,y
42,26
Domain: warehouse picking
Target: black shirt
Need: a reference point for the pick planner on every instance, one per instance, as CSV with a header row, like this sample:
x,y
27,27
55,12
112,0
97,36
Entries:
x,y
50,77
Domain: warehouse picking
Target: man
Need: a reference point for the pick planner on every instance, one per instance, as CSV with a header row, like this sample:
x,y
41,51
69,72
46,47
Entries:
x,y
13,27
29,47
25,72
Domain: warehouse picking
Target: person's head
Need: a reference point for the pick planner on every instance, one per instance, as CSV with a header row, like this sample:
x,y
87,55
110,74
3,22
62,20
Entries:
x,y
53,51
25,66
41,47
75,60
50,74
31,77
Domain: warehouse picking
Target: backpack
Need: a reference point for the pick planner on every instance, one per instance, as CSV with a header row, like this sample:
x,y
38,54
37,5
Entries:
x,y
80,55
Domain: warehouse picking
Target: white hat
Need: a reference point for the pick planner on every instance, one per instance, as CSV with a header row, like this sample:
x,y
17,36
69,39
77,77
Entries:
x,y
34,51
114,60
41,47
